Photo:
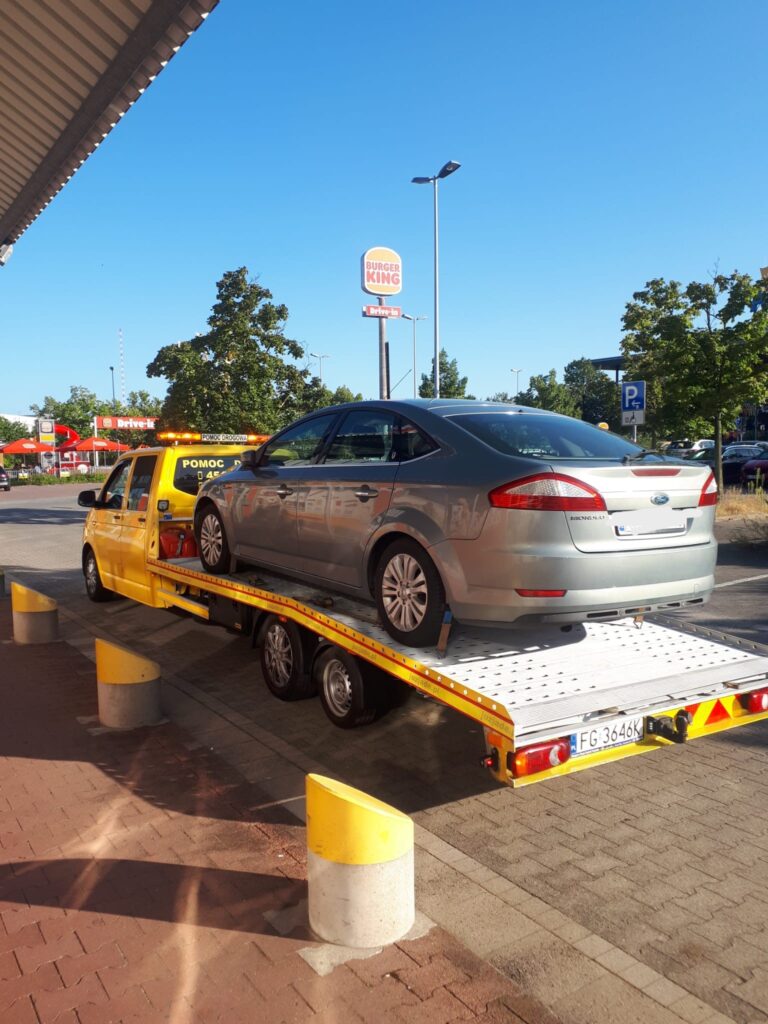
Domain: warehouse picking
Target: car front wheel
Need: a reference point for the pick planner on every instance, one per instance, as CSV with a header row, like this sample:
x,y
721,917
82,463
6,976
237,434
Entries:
x,y
212,541
409,594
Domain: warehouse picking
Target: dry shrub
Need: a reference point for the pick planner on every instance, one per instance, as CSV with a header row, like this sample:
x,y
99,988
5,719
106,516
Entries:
x,y
748,513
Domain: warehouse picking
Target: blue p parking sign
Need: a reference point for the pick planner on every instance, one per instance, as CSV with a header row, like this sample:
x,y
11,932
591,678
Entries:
x,y
632,402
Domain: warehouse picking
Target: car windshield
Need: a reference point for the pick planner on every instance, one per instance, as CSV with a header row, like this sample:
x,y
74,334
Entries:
x,y
537,436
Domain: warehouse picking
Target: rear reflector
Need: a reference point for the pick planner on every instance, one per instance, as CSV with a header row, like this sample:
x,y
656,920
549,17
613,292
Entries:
x,y
708,494
666,471
539,757
755,702
548,492
540,593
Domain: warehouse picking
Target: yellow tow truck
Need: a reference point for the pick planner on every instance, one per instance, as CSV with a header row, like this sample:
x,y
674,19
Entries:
x,y
551,700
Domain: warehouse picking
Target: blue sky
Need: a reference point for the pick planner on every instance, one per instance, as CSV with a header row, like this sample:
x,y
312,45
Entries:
x,y
601,144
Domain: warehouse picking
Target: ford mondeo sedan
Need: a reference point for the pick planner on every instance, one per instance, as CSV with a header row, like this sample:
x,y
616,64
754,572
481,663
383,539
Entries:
x,y
499,514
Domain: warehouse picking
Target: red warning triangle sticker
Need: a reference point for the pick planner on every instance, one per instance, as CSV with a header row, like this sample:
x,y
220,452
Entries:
x,y
717,714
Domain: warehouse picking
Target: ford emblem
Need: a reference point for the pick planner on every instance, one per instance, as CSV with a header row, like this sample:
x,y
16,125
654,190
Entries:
x,y
660,499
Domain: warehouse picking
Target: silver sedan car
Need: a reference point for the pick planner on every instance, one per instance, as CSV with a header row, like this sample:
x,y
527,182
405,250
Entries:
x,y
499,514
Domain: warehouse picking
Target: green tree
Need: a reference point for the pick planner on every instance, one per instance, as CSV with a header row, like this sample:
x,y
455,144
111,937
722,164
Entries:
x,y
12,430
594,392
701,350
451,384
236,377
77,411
548,393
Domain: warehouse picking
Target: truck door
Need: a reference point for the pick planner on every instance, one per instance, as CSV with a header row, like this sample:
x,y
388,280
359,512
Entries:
x,y
105,522
133,532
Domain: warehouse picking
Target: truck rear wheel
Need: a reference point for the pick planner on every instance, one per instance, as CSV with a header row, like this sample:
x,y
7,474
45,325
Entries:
x,y
283,662
346,699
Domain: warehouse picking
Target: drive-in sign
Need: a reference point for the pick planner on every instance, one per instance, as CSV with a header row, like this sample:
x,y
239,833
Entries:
x,y
382,271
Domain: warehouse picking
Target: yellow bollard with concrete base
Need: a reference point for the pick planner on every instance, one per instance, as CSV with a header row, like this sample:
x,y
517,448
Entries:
x,y
35,616
128,687
359,866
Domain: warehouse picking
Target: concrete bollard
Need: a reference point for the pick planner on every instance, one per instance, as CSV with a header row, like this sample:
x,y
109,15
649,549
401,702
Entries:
x,y
359,866
35,616
128,687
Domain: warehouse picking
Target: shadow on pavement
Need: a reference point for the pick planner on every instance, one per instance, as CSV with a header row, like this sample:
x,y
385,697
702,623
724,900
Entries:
x,y
42,516
175,893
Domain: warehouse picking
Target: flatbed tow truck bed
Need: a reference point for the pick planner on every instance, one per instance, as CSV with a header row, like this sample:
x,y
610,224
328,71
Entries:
x,y
551,700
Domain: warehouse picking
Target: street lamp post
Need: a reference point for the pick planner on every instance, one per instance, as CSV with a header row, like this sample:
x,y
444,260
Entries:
x,y
407,316
320,359
516,370
444,171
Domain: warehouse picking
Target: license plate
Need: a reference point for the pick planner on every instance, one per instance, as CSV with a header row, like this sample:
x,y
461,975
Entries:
x,y
603,736
648,523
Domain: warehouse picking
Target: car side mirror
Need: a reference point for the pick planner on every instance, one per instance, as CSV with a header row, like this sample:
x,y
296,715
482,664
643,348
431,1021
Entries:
x,y
87,499
250,458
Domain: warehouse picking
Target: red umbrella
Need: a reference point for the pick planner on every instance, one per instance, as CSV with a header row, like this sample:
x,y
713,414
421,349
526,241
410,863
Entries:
x,y
98,444
25,446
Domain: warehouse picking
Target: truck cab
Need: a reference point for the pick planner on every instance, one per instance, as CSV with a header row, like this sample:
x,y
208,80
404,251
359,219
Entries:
x,y
144,510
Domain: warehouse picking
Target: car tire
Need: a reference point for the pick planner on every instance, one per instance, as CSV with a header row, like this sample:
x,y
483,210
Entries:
x,y
94,588
346,699
212,541
409,594
283,661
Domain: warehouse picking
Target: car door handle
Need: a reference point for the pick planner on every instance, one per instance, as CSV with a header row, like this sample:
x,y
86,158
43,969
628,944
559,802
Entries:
x,y
283,491
142,519
365,493
116,519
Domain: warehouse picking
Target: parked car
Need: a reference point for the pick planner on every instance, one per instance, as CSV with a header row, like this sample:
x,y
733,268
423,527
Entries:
x,y
702,444
5,480
678,448
755,472
502,514
734,457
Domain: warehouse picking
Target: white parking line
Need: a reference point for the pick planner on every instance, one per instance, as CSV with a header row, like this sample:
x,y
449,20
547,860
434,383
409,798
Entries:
x,y
744,579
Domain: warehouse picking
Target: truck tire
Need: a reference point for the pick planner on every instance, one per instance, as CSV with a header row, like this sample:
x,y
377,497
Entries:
x,y
212,541
345,698
409,594
94,588
283,662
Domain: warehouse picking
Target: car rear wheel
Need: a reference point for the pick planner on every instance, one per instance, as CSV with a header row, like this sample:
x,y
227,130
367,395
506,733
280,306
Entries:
x,y
212,541
409,594
283,660
94,588
346,699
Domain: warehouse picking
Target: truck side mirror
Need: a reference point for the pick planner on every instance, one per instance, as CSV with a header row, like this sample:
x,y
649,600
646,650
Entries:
x,y
87,499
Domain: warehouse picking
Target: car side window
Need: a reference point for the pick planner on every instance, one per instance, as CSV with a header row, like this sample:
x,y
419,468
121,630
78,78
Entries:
x,y
363,436
411,443
141,481
300,445
113,492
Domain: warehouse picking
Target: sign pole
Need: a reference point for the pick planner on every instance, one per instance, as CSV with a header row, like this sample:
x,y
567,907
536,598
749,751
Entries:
x,y
383,368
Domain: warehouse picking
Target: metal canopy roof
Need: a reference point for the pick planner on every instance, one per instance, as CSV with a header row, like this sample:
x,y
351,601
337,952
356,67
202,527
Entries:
x,y
69,70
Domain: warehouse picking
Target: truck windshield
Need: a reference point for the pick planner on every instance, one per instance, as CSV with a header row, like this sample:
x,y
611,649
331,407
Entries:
x,y
539,436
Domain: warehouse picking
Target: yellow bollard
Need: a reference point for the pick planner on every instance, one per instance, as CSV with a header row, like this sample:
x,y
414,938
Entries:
x,y
35,616
359,866
128,687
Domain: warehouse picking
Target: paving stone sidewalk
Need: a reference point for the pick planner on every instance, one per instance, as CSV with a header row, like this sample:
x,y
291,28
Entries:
x,y
143,879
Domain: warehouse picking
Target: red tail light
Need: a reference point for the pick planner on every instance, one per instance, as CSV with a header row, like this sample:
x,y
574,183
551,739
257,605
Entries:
x,y
664,471
549,492
755,702
539,757
708,494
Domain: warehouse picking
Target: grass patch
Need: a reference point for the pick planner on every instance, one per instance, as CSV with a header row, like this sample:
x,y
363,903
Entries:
x,y
750,512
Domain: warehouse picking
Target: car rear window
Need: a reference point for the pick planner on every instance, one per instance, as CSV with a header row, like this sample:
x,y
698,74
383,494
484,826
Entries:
x,y
191,470
538,436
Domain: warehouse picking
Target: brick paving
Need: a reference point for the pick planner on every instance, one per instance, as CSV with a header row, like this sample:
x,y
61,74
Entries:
x,y
140,872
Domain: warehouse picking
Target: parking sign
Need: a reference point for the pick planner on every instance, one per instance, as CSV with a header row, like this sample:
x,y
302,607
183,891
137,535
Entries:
x,y
632,403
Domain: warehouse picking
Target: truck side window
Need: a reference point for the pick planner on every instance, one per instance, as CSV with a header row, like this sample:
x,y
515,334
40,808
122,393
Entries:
x,y
114,489
141,481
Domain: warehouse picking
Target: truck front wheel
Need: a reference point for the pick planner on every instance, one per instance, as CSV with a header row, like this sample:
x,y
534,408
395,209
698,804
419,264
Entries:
x,y
94,588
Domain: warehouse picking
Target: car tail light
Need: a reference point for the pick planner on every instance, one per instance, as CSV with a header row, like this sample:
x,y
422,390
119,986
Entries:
x,y
540,593
539,757
550,492
755,702
665,471
708,494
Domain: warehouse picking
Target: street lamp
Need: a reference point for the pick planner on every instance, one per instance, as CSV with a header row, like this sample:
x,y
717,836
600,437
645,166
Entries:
x,y
407,316
112,371
320,358
444,171
516,370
